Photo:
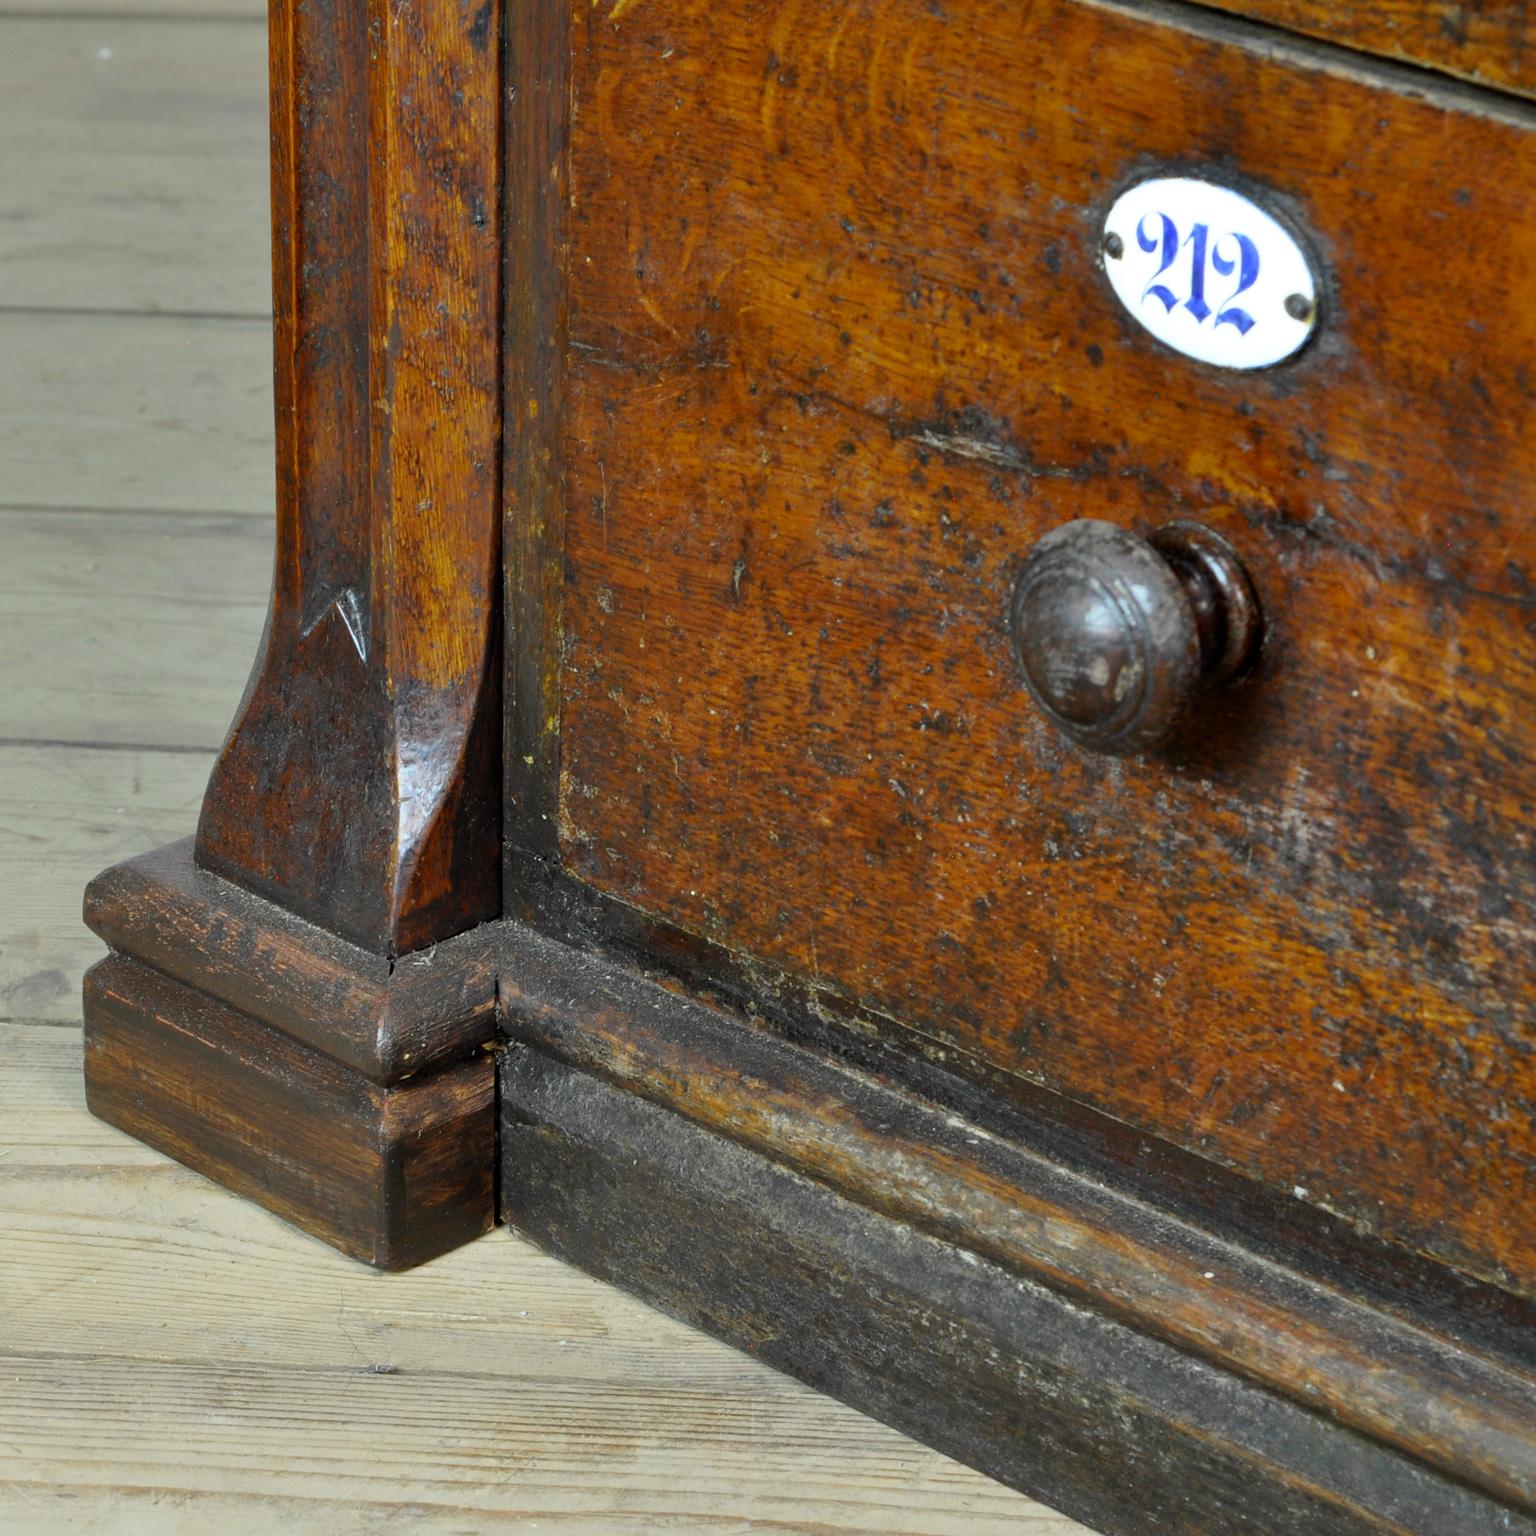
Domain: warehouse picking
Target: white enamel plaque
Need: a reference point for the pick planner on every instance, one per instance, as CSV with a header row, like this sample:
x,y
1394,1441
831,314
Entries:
x,y
1209,273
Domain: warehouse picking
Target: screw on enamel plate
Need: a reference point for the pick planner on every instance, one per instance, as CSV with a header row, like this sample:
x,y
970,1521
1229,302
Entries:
x,y
1209,272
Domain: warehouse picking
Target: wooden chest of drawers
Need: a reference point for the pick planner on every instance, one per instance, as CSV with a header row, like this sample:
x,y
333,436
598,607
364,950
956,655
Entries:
x,y
1014,894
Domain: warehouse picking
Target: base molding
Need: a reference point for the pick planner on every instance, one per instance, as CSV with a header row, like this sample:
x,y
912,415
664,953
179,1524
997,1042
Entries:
x,y
1067,1334
1107,1424
384,1016
352,1094
1105,1355
392,1175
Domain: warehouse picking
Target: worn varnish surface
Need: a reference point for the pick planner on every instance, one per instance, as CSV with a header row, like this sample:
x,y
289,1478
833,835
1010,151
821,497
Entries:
x,y
840,352
1486,40
390,1175
176,1359
1109,1424
359,786
387,1019
535,165
1469,1412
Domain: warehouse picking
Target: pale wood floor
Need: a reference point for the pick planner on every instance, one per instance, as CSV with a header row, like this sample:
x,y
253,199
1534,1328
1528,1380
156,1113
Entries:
x,y
171,1359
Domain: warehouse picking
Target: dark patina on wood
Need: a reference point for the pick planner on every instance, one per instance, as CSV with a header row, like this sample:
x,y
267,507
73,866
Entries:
x,y
1155,1135
1493,41
1107,1424
360,784
1387,1374
536,192
386,1019
390,1175
842,353
299,1008
349,1093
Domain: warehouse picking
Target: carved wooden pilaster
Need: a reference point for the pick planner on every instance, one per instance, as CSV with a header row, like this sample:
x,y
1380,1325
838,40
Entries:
x,y
359,785
300,1009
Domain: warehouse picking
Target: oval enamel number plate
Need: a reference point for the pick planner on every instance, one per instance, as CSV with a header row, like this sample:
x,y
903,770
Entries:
x,y
1209,273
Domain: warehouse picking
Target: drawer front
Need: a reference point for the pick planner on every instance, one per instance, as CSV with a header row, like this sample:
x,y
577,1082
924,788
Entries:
x,y
1485,40
842,350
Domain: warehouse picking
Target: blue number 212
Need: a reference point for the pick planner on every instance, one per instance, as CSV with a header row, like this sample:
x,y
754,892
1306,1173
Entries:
x,y
1245,263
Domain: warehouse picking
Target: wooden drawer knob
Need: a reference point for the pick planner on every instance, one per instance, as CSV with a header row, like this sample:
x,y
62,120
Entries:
x,y
1116,634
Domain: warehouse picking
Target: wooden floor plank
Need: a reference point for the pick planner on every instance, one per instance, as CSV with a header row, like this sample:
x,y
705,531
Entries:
x,y
136,166
124,411
80,1198
769,1456
65,814
77,1509
164,1337
215,12
129,627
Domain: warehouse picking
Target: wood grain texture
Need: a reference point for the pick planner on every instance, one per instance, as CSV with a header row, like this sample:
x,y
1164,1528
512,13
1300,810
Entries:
x,y
110,201
1491,41
176,1359
387,1019
1109,1425
350,1450
1470,1415
535,165
359,786
841,351
343,1451
393,1176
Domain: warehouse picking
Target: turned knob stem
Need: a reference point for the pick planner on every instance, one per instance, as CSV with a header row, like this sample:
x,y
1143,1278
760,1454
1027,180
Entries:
x,y
1116,634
